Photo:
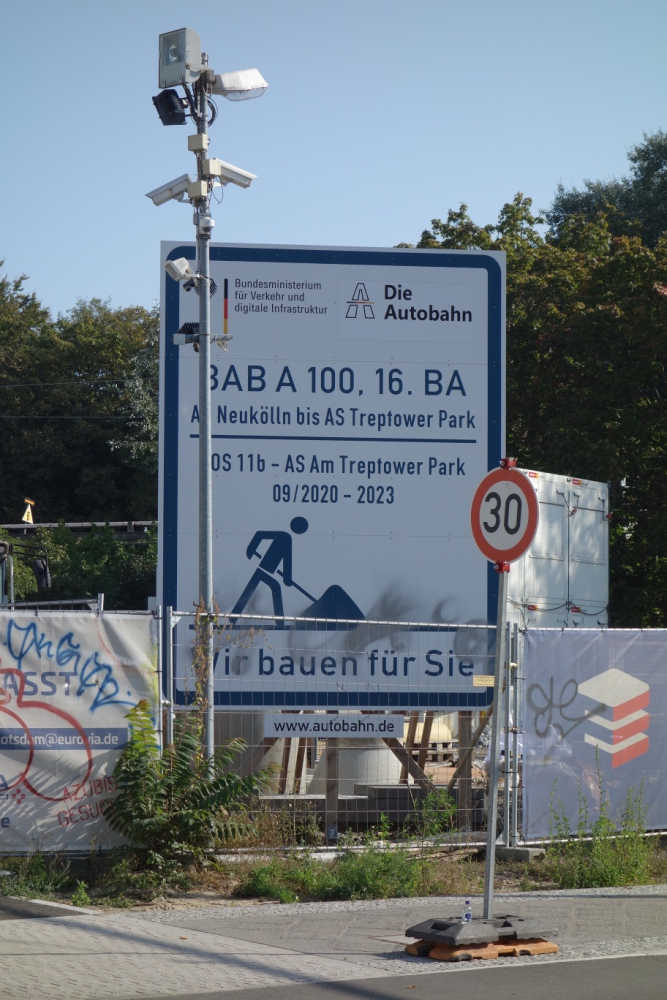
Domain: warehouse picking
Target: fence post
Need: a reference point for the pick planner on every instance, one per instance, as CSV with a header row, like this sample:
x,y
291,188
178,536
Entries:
x,y
168,693
507,724
158,708
464,792
514,671
331,799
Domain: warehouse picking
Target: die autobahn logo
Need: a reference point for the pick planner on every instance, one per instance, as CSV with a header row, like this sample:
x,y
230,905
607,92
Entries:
x,y
360,300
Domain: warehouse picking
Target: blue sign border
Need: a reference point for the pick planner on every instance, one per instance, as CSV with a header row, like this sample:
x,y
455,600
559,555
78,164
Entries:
x,y
169,520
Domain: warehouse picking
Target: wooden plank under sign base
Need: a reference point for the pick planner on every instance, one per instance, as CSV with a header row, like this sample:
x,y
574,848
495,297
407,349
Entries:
x,y
468,952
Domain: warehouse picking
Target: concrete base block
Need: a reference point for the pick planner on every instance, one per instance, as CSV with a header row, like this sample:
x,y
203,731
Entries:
x,y
520,854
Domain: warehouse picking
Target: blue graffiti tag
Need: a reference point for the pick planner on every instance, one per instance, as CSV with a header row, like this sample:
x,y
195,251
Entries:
x,y
93,674
30,639
99,675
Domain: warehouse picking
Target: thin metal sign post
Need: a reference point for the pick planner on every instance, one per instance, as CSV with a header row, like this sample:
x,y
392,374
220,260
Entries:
x,y
504,517
503,570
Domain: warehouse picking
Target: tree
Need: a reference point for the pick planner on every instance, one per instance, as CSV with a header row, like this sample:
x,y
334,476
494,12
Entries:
x,y
78,407
586,374
88,565
633,206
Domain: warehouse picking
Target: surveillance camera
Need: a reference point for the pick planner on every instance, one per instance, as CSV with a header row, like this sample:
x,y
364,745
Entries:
x,y
226,173
176,189
240,85
179,269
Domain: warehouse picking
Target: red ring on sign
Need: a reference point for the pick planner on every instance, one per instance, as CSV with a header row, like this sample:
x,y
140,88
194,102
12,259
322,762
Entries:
x,y
517,479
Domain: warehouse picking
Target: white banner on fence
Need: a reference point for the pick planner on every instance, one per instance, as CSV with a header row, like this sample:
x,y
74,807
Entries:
x,y
67,682
294,665
321,726
594,696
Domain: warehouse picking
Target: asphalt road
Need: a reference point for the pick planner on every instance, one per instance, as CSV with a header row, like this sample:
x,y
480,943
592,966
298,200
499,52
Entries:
x,y
604,979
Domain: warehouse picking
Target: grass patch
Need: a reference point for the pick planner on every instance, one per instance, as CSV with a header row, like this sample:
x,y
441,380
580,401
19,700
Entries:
x,y
375,872
369,874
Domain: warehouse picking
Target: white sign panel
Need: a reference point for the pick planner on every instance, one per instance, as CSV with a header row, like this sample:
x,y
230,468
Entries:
x,y
359,405
67,682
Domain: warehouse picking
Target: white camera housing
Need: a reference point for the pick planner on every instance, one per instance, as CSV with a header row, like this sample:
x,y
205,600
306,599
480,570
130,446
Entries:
x,y
240,85
176,189
226,173
180,57
179,269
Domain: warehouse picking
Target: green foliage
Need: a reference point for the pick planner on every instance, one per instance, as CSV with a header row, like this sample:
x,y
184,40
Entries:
x,y
142,876
177,800
80,896
634,206
90,564
372,873
587,362
435,815
295,824
603,853
34,875
90,378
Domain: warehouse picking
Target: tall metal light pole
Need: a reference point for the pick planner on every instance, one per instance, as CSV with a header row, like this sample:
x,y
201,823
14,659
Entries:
x,y
203,224
182,63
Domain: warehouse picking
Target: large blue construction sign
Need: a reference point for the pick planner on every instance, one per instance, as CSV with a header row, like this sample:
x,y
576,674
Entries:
x,y
358,406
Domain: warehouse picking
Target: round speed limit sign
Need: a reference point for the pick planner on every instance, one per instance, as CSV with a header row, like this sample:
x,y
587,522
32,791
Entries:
x,y
504,515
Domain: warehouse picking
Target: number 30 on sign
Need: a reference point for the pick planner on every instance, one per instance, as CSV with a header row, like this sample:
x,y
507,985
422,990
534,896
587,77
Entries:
x,y
504,514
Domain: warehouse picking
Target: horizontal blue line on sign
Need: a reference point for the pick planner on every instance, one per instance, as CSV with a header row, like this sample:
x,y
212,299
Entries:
x,y
308,437
348,699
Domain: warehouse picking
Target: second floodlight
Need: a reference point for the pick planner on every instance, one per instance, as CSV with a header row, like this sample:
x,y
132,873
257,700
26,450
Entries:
x,y
240,85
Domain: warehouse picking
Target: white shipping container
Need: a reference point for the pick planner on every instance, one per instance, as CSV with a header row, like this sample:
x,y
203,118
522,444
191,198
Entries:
x,y
563,580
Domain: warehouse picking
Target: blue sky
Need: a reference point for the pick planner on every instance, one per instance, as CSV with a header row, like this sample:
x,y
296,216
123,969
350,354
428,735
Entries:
x,y
380,115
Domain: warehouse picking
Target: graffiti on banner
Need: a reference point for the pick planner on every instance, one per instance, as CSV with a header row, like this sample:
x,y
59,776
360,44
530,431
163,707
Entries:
x,y
67,681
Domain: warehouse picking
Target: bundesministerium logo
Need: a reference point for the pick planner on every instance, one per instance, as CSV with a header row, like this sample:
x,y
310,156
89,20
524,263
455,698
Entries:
x,y
359,298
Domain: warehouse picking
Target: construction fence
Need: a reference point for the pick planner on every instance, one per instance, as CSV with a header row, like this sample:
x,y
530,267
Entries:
x,y
372,725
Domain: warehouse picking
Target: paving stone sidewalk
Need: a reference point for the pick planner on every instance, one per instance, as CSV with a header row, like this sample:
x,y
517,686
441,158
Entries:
x,y
179,952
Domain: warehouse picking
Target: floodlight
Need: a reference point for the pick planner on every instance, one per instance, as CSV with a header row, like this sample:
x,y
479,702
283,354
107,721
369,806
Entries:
x,y
179,269
180,57
169,106
226,173
241,85
176,189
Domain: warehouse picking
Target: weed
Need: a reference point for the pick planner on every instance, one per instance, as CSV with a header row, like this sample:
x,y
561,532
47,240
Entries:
x,y
294,825
435,815
80,897
177,797
373,873
143,876
35,875
603,853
